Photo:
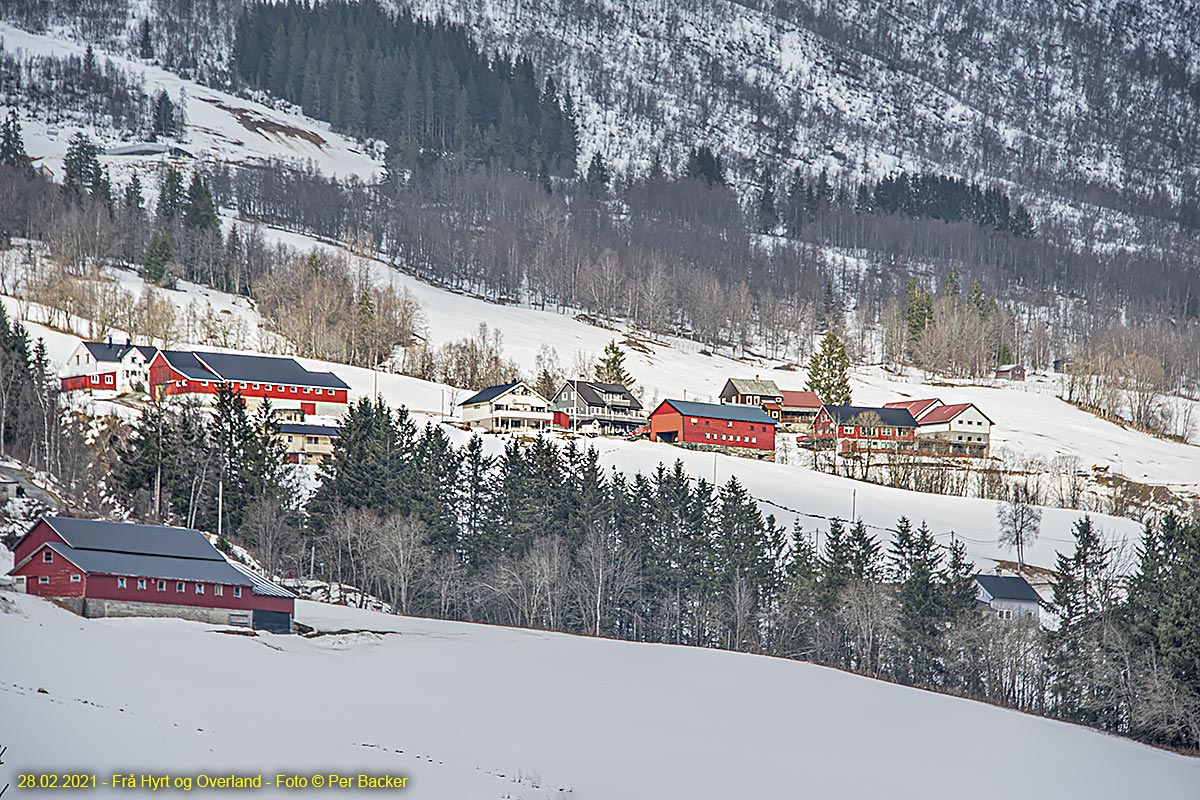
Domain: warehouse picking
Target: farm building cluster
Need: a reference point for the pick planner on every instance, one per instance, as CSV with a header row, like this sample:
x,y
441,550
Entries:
x,y
750,414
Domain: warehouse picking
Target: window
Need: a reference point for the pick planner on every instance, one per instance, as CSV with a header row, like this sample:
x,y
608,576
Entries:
x,y
76,578
161,586
695,421
47,556
307,390
108,378
43,579
292,389
179,587
753,440
218,590
254,386
142,584
311,439
120,583
729,424
237,591
199,588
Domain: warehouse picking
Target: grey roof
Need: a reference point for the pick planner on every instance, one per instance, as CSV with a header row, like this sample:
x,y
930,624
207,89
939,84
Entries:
x,y
301,429
126,537
1008,587
725,411
262,586
756,386
592,393
107,351
105,562
267,369
892,417
488,394
186,362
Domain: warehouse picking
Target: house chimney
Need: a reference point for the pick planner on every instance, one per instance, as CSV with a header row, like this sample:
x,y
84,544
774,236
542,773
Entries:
x,y
108,339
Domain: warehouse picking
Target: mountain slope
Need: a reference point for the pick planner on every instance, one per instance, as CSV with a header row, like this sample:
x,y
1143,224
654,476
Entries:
x,y
474,711
1103,94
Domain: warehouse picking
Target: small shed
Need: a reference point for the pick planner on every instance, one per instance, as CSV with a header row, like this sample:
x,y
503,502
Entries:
x,y
1010,372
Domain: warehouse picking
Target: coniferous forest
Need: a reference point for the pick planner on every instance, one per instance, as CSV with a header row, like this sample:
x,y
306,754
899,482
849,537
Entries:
x,y
423,87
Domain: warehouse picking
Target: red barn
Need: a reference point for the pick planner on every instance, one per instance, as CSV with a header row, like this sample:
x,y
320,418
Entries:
x,y
117,569
283,380
712,425
853,428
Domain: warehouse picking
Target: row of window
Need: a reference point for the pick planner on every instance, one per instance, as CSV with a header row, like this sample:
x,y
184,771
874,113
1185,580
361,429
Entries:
x,y
729,437
729,424
278,388
180,586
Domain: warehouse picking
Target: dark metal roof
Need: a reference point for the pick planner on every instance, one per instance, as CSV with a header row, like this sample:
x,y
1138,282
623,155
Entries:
x,y
104,562
1008,587
592,393
107,351
891,417
302,429
488,394
186,362
725,411
267,369
126,537
262,586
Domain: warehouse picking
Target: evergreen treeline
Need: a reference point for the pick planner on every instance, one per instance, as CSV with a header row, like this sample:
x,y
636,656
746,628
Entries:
x,y
423,87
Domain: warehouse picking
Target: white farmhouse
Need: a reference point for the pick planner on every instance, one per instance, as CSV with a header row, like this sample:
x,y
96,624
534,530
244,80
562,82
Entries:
x,y
508,407
107,368
1010,597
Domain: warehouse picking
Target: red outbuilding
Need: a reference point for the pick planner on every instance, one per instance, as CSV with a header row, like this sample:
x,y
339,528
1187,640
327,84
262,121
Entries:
x,y
712,425
117,569
282,380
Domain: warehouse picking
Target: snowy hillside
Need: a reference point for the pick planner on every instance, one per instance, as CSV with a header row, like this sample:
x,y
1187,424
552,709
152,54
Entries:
x,y
220,126
487,712
867,85
1027,422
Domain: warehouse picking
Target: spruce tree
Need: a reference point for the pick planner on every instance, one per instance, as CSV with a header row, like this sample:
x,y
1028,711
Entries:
x,y
145,44
12,146
828,372
159,254
611,367
199,213
170,196
597,175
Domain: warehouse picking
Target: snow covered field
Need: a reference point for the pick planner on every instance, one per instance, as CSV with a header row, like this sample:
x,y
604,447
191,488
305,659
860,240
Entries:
x,y
469,711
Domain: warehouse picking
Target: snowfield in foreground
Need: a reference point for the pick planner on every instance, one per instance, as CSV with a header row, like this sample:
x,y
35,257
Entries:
x,y
469,711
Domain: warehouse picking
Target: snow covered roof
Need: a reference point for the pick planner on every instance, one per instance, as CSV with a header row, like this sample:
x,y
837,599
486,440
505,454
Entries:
x,y
302,429
725,411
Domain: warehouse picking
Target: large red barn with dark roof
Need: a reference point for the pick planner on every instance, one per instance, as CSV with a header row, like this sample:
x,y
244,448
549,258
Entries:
x,y
711,425
118,569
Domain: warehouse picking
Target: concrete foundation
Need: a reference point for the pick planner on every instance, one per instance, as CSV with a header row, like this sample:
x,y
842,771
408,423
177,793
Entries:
x,y
93,608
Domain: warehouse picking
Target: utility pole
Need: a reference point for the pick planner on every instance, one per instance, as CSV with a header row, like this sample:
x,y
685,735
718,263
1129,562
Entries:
x,y
220,507
853,506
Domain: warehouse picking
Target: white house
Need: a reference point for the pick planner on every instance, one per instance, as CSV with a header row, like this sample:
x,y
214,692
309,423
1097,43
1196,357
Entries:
x,y
108,368
508,407
1010,597
959,428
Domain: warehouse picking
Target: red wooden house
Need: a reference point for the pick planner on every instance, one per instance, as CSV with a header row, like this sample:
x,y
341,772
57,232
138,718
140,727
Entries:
x,y
849,429
117,569
711,425
283,380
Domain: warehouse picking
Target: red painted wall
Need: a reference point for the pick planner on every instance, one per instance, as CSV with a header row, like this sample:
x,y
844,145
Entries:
x,y
40,534
665,419
58,571
104,587
100,380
